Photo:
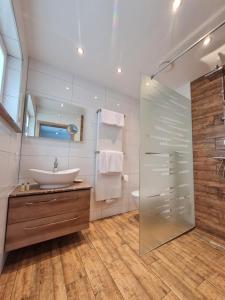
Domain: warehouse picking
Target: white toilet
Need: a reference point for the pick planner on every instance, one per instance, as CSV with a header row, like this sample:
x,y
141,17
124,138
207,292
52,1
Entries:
x,y
135,198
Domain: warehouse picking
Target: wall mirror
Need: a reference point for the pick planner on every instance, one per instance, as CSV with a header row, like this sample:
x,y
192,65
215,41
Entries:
x,y
48,118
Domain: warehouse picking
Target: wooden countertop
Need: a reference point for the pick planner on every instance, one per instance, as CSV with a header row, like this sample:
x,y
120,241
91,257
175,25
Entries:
x,y
35,190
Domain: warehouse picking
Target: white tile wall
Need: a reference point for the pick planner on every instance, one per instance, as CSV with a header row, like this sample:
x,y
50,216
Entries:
x,y
10,142
9,164
40,153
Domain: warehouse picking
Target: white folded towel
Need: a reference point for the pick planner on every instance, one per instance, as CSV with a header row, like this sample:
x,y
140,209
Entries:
x,y
110,162
108,187
112,118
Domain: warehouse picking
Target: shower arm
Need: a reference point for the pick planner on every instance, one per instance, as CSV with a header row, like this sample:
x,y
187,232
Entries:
x,y
170,61
212,74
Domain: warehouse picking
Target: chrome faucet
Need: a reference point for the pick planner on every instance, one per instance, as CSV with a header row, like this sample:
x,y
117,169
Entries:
x,y
56,164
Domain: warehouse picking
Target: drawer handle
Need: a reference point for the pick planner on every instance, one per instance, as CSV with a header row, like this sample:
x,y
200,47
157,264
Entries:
x,y
50,224
41,202
45,201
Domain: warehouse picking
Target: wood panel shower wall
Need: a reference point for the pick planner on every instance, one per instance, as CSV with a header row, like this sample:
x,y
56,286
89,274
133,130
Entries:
x,y
208,141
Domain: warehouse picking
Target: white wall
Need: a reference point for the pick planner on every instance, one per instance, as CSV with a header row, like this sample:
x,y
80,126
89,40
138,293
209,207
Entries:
x,y
185,90
47,81
10,142
9,162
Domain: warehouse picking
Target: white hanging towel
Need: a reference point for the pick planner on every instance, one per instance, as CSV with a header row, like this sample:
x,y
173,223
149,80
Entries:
x,y
110,162
108,187
109,175
112,118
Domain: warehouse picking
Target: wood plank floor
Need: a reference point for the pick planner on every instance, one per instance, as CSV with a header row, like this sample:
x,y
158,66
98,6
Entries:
x,y
103,263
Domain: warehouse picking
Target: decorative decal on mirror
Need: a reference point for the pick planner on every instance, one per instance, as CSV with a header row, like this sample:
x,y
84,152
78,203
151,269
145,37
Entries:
x,y
48,118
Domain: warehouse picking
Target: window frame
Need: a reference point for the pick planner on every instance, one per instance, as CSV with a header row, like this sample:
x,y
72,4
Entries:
x,y
3,47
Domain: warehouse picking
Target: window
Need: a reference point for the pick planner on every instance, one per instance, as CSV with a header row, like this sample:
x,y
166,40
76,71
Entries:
x,y
3,56
11,64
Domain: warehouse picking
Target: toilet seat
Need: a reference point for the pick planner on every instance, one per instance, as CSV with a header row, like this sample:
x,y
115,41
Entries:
x,y
135,199
135,194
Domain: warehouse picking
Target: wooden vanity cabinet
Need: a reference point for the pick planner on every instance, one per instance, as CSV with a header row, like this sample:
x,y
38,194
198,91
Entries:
x,y
33,218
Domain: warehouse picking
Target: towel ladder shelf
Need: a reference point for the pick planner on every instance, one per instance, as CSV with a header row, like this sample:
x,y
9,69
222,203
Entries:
x,y
108,187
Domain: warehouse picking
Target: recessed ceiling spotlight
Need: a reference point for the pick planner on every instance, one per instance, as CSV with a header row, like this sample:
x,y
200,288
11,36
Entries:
x,y
62,105
95,97
176,5
67,88
207,41
80,51
119,70
147,83
118,104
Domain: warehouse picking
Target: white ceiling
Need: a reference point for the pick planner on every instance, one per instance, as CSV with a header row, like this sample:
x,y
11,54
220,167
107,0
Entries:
x,y
134,34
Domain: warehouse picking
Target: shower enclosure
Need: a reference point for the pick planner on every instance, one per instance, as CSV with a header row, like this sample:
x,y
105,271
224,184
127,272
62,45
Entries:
x,y
166,165
166,155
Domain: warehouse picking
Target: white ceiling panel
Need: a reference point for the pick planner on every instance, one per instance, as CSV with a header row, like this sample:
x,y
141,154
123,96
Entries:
x,y
136,35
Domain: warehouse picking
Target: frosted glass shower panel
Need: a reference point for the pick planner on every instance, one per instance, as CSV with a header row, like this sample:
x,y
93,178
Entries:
x,y
166,165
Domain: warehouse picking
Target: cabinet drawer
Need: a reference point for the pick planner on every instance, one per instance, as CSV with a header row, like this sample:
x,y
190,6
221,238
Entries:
x,y
40,206
30,232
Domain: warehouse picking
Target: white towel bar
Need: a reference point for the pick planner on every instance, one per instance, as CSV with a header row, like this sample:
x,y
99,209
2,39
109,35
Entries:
x,y
97,152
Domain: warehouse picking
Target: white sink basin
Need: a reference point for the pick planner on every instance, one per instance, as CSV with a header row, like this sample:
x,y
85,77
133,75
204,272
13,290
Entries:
x,y
50,179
